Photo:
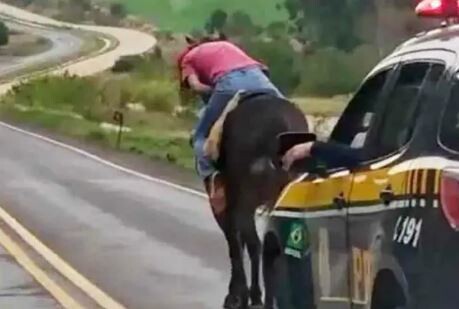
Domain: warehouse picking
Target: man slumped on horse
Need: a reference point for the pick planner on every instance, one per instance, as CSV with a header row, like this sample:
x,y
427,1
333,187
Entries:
x,y
218,70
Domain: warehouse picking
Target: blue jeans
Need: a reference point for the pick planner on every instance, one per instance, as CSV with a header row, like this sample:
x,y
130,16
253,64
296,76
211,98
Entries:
x,y
249,79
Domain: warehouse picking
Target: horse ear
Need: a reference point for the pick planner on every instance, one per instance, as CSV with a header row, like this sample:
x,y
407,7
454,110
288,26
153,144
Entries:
x,y
190,40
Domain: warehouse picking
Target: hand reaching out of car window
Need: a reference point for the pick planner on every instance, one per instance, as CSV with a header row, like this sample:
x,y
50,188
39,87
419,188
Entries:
x,y
332,154
297,152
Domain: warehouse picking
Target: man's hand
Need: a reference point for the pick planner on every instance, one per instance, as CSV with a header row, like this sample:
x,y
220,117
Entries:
x,y
197,85
297,152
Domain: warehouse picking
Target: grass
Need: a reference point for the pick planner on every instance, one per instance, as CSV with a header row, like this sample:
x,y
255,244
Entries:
x,y
76,107
166,141
325,107
155,135
183,15
92,42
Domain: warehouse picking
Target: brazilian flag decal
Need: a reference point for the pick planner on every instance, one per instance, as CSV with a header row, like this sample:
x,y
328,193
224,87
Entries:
x,y
298,241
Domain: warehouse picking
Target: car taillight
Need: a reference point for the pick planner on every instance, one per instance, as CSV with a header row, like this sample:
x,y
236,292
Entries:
x,y
449,198
438,8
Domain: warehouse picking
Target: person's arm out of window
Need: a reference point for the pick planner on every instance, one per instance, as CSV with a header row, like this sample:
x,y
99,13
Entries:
x,y
331,153
336,154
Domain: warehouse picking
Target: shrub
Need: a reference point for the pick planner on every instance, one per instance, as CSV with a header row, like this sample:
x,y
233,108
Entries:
x,y
281,59
216,21
157,95
330,72
70,93
118,10
96,135
126,64
4,34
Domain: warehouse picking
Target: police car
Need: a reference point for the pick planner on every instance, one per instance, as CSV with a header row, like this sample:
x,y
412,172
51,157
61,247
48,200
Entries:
x,y
384,235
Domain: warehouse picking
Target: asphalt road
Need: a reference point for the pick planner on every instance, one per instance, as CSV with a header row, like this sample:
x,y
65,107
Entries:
x,y
65,46
146,244
130,42
18,289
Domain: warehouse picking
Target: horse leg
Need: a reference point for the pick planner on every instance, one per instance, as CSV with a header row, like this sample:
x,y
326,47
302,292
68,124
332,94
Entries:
x,y
271,252
268,265
237,297
249,235
254,247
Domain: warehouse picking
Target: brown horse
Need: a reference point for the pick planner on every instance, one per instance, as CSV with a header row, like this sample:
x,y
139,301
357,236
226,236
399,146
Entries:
x,y
250,166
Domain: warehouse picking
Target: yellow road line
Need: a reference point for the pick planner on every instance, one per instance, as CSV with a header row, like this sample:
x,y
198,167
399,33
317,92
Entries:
x,y
99,296
24,260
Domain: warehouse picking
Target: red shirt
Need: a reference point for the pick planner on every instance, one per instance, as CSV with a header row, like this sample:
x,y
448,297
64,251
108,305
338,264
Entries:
x,y
211,60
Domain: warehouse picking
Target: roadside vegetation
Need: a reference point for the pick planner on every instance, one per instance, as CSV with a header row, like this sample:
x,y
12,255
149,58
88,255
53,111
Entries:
x,y
183,15
158,123
316,56
85,12
4,34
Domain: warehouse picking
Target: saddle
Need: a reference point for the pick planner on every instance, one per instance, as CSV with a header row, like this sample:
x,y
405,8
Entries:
x,y
213,141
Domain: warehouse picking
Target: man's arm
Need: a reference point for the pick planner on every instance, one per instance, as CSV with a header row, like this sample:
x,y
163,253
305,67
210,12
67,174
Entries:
x,y
189,75
333,154
336,155
196,85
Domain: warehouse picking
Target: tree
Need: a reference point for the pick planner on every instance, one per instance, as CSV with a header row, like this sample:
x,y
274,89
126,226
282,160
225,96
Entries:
x,y
74,10
4,34
328,23
240,24
280,58
118,10
216,21
277,30
84,5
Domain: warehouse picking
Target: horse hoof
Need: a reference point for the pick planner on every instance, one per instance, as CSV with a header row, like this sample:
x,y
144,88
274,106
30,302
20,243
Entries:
x,y
234,302
257,304
255,298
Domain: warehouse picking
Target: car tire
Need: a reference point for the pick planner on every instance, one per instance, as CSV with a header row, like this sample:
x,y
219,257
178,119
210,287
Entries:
x,y
387,293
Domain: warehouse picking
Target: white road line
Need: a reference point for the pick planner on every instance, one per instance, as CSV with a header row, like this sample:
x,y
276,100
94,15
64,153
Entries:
x,y
103,161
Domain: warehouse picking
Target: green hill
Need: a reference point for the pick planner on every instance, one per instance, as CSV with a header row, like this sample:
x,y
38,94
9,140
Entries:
x,y
184,15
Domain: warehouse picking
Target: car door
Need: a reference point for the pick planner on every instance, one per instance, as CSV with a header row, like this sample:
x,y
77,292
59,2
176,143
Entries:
x,y
378,189
311,218
316,205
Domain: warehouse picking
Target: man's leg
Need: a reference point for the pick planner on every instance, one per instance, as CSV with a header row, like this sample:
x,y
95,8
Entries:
x,y
205,167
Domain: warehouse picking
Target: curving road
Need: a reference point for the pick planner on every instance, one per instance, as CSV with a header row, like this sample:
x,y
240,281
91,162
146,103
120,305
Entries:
x,y
146,243
130,42
64,46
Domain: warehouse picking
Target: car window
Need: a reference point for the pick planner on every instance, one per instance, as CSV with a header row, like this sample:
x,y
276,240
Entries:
x,y
449,131
402,108
358,116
